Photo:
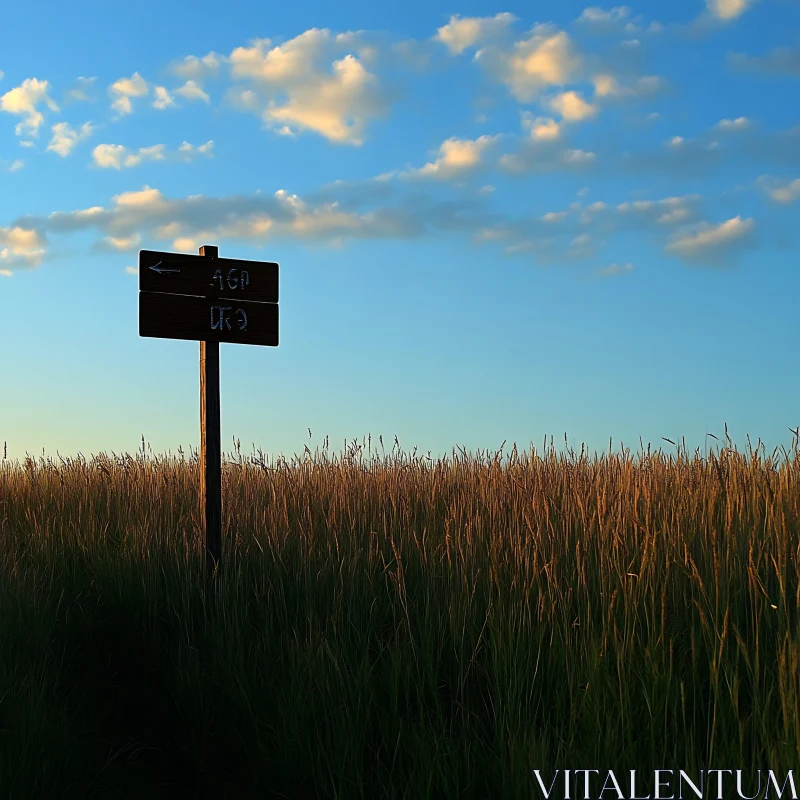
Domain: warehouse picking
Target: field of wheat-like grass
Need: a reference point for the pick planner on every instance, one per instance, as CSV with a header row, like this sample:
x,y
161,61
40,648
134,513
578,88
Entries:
x,y
394,626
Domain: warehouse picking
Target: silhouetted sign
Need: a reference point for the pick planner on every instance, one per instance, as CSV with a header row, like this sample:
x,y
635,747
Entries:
x,y
208,299
177,273
207,319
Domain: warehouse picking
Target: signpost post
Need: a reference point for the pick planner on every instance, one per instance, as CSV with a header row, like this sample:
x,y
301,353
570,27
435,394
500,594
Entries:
x,y
211,300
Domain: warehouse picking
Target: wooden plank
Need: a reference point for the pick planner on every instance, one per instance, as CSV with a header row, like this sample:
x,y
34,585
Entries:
x,y
208,276
176,316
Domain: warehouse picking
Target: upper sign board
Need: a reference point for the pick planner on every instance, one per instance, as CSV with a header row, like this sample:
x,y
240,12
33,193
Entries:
x,y
185,296
178,273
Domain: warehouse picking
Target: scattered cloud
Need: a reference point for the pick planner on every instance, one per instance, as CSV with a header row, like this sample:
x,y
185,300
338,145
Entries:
x,y
163,99
16,165
608,86
572,106
658,213
614,269
456,156
124,89
192,91
780,191
255,218
123,243
117,156
81,91
20,245
132,270
460,33
65,138
292,89
539,160
727,10
189,151
778,61
706,242
548,57
738,124
24,101
542,128
595,17
193,68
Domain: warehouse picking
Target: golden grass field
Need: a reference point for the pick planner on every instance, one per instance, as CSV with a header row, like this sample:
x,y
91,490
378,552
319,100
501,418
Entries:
x,y
388,625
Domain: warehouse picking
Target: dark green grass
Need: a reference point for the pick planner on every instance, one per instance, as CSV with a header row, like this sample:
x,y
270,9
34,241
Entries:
x,y
395,628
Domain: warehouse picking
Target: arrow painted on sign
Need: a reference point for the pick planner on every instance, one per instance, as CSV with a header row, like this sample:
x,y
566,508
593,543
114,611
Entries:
x,y
162,270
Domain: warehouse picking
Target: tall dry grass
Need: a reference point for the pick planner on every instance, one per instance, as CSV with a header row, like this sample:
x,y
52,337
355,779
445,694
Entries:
x,y
391,625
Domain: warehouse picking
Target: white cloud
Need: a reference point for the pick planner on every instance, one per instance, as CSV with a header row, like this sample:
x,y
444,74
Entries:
x,y
598,17
255,218
109,155
20,245
781,191
572,106
728,9
196,69
606,85
336,104
579,157
123,242
16,165
123,106
117,156
126,88
554,216
738,124
460,33
615,269
710,241
189,151
80,92
540,128
192,91
23,101
163,98
457,156
546,58
65,138
132,270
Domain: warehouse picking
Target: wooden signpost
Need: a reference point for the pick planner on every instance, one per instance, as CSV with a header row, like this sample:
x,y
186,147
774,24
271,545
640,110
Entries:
x,y
210,300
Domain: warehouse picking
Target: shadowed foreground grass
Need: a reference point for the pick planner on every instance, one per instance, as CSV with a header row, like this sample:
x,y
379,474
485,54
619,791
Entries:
x,y
397,626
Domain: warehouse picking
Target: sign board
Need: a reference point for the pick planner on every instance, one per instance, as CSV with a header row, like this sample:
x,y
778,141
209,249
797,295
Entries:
x,y
211,300
208,299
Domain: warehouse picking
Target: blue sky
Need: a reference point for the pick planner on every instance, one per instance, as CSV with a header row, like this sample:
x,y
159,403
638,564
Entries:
x,y
491,225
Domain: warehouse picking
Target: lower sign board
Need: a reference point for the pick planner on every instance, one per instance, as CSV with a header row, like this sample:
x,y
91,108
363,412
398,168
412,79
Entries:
x,y
180,316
